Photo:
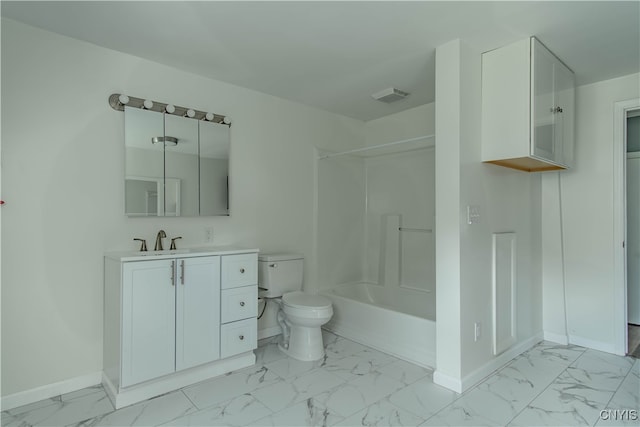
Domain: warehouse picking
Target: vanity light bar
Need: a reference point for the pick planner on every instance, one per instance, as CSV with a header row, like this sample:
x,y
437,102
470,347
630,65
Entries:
x,y
118,101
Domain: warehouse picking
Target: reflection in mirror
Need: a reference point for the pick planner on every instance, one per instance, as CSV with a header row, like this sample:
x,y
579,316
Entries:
x,y
144,163
181,166
175,166
214,168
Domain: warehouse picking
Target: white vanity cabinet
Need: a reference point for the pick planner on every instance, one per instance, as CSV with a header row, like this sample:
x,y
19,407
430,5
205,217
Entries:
x,y
528,108
168,323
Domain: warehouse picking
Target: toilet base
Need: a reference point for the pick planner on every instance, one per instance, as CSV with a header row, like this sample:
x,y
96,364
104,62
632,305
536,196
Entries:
x,y
305,343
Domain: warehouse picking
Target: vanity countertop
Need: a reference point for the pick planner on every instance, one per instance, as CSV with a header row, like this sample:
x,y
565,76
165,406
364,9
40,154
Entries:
x,y
124,256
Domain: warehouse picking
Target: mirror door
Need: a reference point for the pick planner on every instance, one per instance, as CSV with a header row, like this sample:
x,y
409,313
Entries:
x,y
144,163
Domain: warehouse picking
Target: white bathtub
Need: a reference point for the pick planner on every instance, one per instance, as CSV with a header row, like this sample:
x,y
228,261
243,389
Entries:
x,y
397,321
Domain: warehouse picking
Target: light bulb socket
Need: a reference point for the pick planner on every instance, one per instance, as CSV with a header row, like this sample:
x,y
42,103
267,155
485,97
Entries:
x,y
170,109
148,104
227,120
123,99
209,117
190,113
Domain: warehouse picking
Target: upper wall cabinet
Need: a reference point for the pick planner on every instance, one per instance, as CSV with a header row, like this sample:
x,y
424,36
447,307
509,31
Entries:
x,y
528,107
175,166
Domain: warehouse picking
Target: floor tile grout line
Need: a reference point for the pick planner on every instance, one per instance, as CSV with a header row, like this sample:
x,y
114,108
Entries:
x,y
548,385
189,399
538,395
563,371
630,372
526,406
565,364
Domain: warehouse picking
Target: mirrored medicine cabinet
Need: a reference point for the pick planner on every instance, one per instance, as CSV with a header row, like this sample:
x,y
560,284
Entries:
x,y
175,166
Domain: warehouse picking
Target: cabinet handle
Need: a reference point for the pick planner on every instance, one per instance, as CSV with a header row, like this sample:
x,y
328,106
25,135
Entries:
x,y
182,272
173,273
241,303
242,270
241,337
556,110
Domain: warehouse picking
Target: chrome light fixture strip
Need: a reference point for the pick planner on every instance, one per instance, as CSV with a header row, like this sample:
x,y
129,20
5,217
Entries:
x,y
160,107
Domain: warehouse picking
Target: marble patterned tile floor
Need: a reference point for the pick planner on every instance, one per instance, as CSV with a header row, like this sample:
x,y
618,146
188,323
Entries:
x,y
354,385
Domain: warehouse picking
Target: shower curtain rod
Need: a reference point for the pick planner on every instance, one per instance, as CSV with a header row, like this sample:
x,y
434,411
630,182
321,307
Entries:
x,y
373,147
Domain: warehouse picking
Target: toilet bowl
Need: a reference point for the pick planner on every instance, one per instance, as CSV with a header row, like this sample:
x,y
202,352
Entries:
x,y
301,314
304,315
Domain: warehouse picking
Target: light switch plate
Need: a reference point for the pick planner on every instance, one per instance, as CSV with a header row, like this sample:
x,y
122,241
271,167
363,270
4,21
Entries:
x,y
473,214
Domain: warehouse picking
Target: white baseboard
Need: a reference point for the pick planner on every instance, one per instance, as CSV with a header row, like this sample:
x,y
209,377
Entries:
x,y
446,381
556,338
51,390
269,332
468,381
497,362
595,345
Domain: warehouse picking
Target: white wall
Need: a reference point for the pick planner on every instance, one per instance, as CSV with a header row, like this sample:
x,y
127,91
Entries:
x,y
448,216
509,200
63,169
588,215
417,121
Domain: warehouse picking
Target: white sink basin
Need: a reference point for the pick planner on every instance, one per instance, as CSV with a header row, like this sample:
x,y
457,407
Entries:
x,y
165,252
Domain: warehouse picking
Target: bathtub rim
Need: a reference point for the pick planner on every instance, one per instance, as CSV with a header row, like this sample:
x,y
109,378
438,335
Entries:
x,y
330,292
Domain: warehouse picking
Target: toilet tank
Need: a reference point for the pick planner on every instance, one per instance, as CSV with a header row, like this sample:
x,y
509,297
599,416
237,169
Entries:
x,y
279,273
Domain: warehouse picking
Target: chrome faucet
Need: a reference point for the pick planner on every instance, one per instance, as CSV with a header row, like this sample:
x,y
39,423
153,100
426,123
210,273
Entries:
x,y
159,237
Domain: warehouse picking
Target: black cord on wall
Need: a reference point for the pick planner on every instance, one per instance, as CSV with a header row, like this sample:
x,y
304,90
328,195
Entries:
x,y
263,308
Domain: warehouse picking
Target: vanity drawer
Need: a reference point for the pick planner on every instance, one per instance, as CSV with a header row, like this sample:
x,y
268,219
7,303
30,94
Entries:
x,y
239,270
238,303
238,337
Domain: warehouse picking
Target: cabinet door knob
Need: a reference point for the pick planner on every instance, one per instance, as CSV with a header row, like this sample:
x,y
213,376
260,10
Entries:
x,y
241,303
242,270
241,337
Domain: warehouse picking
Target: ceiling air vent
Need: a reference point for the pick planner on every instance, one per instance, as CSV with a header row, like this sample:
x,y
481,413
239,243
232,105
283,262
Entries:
x,y
390,95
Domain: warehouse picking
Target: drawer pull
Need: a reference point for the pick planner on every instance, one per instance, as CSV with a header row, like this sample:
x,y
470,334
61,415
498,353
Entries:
x,y
241,337
241,303
242,270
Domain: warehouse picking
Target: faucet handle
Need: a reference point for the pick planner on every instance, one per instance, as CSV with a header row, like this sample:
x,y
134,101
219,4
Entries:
x,y
143,245
173,243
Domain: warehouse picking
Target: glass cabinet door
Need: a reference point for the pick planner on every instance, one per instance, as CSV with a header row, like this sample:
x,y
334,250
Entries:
x,y
564,88
543,108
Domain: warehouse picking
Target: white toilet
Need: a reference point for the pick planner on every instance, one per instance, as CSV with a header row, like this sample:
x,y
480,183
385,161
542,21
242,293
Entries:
x,y
301,314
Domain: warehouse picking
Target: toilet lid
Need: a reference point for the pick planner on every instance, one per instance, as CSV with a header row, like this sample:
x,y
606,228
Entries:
x,y
302,300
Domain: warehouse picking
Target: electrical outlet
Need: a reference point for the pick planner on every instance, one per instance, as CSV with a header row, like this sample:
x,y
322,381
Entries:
x,y
208,234
478,330
473,214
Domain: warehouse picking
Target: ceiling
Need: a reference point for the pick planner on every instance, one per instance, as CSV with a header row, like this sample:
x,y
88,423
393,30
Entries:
x,y
334,55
